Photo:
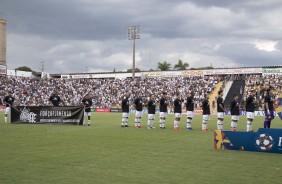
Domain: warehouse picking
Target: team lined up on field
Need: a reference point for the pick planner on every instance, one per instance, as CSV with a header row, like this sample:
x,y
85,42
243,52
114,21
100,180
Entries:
x,y
138,104
177,106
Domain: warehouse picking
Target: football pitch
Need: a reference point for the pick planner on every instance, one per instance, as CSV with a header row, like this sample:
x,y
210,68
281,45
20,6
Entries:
x,y
105,153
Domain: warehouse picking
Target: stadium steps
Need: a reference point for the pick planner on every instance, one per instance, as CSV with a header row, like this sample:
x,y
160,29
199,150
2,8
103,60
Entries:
x,y
213,95
236,88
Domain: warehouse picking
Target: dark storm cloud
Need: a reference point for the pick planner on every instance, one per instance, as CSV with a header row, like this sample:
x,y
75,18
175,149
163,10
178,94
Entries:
x,y
94,33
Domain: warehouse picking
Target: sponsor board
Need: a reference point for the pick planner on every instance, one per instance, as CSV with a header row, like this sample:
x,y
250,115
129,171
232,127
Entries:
x,y
244,113
264,140
272,71
115,110
102,110
47,114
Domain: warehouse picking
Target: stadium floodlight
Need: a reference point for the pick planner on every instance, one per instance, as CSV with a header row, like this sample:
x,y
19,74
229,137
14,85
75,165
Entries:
x,y
133,34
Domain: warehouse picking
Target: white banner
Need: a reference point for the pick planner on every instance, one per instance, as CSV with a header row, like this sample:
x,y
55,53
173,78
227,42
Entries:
x,y
272,71
233,71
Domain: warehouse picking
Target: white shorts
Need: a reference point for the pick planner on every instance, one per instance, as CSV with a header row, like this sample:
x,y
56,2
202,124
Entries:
x,y
125,114
250,115
235,117
138,114
151,116
177,115
220,115
163,114
206,117
8,110
87,113
190,114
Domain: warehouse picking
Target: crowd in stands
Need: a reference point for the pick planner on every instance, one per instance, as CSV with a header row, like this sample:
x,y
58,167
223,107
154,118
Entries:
x,y
260,84
104,92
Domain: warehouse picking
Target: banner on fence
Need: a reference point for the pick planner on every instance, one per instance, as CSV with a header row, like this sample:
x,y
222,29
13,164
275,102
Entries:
x,y
115,110
264,140
47,115
244,113
102,110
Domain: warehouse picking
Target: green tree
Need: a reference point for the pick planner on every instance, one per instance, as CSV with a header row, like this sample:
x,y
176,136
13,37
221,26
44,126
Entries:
x,y
136,70
181,65
164,66
24,68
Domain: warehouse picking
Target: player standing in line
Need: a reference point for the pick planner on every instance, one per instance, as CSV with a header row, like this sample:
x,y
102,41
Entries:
x,y
9,101
151,111
268,108
220,110
87,103
235,112
163,110
138,105
177,111
206,113
190,110
125,110
250,108
55,99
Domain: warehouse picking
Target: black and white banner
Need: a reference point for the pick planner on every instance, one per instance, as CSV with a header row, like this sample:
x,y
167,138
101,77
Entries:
x,y
47,115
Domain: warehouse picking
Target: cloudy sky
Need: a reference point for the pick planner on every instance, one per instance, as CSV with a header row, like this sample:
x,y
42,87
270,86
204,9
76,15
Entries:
x,y
80,35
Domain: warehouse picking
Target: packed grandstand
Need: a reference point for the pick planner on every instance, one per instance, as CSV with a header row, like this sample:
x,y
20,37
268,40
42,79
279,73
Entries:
x,y
107,91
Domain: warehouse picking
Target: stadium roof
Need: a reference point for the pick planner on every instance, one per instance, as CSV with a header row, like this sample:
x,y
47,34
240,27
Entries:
x,y
58,75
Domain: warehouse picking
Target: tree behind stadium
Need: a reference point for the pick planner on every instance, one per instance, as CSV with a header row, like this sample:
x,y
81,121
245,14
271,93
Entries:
x,y
164,66
24,68
181,65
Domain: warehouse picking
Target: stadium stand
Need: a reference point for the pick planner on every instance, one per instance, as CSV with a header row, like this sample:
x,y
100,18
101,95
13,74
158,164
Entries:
x,y
260,83
104,92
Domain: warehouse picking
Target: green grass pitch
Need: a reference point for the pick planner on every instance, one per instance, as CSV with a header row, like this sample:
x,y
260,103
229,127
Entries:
x,y
105,153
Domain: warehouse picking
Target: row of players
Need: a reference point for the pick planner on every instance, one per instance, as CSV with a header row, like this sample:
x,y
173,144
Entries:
x,y
177,106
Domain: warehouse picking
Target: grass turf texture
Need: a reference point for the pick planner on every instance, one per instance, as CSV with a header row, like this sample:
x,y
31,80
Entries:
x,y
107,153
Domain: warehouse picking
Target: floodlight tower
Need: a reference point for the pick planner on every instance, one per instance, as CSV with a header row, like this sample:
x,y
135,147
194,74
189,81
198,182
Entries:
x,y
133,34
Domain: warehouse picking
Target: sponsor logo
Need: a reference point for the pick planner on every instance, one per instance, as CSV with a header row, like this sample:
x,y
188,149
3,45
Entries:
x,y
280,141
27,116
264,142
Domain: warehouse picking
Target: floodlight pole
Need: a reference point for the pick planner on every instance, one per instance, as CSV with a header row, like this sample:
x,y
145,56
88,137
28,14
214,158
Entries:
x,y
133,34
133,59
